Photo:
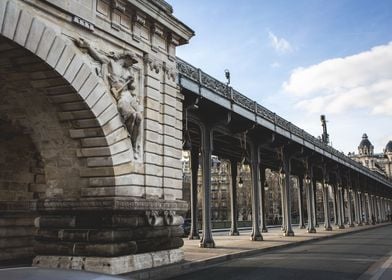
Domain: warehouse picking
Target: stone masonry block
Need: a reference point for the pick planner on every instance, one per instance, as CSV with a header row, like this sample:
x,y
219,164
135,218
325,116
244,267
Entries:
x,y
88,86
122,169
152,104
117,136
113,125
116,265
94,142
108,114
153,192
55,51
3,7
179,105
118,147
153,136
73,68
168,100
97,93
172,194
171,90
81,77
169,120
153,169
173,183
152,114
116,159
136,191
88,132
172,172
172,152
104,102
153,181
86,123
176,255
154,94
124,180
170,130
46,43
10,20
178,124
153,125
171,162
73,106
23,28
153,83
160,258
171,111
88,152
153,148
172,142
34,37
96,192
153,158
65,59
75,115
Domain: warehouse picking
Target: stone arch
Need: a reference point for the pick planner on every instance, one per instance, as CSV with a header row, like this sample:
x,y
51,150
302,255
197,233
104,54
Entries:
x,y
82,100
61,136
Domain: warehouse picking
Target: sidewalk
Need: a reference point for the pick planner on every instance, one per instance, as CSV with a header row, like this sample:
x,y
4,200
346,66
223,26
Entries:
x,y
230,247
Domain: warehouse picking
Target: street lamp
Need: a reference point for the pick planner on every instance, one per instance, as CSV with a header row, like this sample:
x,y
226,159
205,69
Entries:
x,y
240,183
307,179
282,174
227,75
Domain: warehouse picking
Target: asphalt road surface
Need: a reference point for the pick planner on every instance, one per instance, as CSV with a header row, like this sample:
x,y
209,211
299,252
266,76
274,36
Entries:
x,y
361,255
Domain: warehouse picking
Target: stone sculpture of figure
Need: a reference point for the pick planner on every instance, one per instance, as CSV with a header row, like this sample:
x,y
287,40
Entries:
x,y
117,73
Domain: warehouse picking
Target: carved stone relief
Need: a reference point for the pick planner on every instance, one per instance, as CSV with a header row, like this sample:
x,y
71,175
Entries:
x,y
115,68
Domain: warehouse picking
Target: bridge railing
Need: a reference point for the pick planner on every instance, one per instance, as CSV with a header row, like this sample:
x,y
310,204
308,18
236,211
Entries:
x,y
222,89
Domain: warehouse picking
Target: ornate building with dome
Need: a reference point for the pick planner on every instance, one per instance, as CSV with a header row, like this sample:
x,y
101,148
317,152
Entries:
x,y
380,163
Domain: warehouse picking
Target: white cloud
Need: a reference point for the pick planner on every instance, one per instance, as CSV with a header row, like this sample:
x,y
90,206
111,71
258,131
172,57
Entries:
x,y
281,45
361,81
275,65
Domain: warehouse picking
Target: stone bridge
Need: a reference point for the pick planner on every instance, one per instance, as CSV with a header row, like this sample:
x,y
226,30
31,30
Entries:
x,y
91,134
91,138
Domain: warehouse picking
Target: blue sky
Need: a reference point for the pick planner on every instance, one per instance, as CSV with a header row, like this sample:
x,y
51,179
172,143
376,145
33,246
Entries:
x,y
301,59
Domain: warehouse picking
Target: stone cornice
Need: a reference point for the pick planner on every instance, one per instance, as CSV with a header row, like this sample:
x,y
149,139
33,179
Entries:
x,y
110,204
169,21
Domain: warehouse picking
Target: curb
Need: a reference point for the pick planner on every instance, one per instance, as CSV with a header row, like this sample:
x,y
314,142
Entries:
x,y
167,271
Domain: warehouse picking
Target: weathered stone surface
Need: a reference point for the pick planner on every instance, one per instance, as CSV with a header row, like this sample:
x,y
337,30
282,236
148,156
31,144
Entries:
x,y
80,161
108,235
115,265
23,28
85,249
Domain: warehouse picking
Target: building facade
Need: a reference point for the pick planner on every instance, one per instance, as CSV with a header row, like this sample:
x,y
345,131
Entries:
x,y
378,162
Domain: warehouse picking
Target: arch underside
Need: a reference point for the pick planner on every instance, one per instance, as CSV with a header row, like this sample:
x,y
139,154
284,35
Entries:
x,y
68,151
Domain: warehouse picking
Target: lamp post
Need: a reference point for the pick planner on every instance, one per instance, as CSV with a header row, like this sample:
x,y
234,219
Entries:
x,y
227,75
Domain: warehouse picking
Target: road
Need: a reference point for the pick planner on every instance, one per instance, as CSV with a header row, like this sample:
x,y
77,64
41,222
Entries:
x,y
361,255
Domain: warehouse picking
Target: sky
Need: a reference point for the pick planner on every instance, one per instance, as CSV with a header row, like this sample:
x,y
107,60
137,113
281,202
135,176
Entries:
x,y
301,59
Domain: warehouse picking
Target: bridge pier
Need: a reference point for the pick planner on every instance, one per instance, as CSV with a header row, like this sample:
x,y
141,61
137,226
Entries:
x,y
314,191
300,202
310,196
285,179
233,198
108,235
207,240
255,173
262,204
194,231
335,204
